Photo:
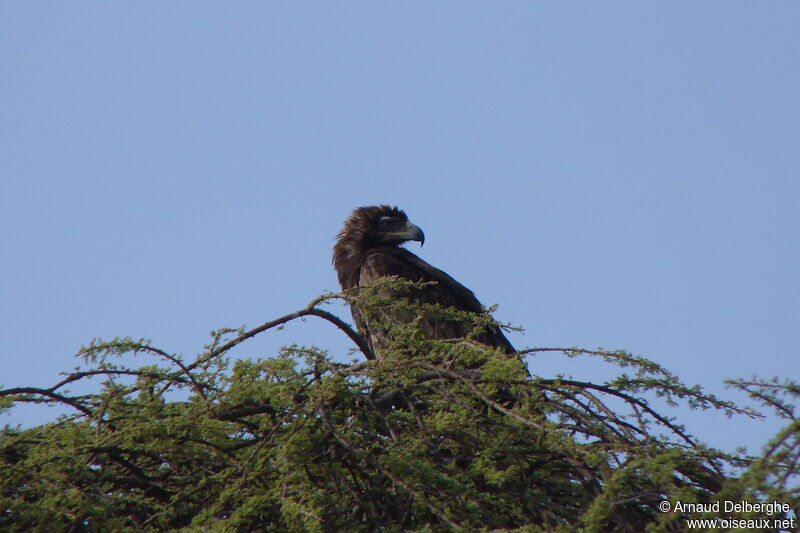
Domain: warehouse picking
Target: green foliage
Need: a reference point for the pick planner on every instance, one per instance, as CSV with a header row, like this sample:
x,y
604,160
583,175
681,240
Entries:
x,y
441,435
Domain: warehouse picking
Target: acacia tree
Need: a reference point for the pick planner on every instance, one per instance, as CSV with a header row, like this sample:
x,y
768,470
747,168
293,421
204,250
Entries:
x,y
437,435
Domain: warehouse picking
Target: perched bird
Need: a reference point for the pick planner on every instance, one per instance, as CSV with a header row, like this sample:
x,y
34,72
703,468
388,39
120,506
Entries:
x,y
369,248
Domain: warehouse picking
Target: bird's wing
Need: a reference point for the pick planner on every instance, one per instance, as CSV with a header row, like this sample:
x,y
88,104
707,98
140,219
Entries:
x,y
447,292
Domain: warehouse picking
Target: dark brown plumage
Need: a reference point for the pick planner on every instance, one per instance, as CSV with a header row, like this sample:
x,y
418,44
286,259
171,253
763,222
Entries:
x,y
368,248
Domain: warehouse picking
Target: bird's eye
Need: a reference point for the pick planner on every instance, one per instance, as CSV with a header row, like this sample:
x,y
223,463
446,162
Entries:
x,y
385,222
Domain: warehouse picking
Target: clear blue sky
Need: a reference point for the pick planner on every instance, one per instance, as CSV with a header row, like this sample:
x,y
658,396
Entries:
x,y
624,175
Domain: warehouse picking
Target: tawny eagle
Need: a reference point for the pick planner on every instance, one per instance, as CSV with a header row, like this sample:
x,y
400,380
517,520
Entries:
x,y
368,248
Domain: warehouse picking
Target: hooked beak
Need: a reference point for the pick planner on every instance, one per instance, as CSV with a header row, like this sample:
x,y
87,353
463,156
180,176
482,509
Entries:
x,y
414,233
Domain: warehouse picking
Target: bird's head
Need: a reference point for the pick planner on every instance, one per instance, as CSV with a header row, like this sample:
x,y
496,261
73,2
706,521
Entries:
x,y
379,225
